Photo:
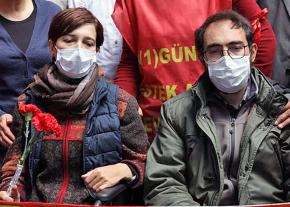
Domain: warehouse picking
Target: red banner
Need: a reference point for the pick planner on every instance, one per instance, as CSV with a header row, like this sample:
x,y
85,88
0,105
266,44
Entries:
x,y
164,46
36,204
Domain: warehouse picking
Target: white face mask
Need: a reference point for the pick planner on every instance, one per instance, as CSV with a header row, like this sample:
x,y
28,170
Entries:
x,y
229,75
75,62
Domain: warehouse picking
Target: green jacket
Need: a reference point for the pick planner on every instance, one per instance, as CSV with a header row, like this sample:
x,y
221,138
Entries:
x,y
184,163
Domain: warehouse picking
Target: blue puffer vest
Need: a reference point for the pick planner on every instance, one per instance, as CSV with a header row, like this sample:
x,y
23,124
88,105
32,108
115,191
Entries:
x,y
102,138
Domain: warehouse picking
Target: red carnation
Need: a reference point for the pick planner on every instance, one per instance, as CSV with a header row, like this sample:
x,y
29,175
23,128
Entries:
x,y
47,123
29,108
44,123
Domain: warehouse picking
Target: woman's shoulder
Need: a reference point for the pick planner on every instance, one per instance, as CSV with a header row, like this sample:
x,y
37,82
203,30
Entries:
x,y
127,104
125,96
123,99
122,95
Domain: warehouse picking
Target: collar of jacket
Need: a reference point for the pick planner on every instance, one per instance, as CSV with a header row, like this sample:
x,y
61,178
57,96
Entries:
x,y
264,99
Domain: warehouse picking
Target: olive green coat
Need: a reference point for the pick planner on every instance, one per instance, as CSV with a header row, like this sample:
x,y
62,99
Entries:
x,y
184,163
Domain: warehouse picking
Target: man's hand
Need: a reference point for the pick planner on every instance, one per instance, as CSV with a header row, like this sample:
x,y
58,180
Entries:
x,y
6,136
15,196
284,118
107,176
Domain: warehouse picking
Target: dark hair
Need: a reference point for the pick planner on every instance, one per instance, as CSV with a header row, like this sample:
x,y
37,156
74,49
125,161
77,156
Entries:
x,y
238,22
68,20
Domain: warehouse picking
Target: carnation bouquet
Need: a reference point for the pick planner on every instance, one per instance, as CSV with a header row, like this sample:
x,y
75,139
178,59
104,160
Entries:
x,y
44,124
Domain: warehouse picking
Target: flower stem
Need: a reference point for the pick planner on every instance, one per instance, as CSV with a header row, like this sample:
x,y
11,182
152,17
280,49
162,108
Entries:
x,y
26,133
28,148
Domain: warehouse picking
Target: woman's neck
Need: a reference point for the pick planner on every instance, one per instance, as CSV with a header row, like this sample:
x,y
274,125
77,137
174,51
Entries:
x,y
16,10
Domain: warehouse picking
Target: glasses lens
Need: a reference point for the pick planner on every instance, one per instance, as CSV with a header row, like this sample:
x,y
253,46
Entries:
x,y
214,53
236,51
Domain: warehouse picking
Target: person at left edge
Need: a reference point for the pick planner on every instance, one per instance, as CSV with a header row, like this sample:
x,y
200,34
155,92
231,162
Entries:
x,y
103,140
23,47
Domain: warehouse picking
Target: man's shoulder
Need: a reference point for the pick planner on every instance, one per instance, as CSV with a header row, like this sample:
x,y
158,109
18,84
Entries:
x,y
181,99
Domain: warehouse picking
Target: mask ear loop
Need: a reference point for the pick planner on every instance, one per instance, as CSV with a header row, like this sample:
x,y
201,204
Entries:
x,y
251,54
54,58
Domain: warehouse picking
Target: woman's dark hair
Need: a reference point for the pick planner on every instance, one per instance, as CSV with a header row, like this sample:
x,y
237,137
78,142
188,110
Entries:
x,y
238,22
68,20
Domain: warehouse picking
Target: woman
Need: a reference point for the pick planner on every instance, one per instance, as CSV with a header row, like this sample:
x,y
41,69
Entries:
x,y
103,140
110,53
24,26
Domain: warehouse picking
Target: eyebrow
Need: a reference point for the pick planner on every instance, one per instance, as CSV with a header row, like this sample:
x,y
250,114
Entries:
x,y
219,45
89,38
86,38
70,35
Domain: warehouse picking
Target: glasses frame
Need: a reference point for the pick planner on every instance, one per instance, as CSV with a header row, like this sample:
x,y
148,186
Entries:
x,y
222,54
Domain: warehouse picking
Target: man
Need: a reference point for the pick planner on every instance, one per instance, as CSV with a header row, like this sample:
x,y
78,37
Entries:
x,y
279,17
217,143
159,58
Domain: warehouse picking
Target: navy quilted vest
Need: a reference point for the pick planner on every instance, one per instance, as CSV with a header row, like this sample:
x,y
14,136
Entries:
x,y
102,139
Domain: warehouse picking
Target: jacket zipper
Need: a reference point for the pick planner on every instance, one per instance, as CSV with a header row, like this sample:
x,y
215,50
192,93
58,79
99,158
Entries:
x,y
232,150
232,143
64,185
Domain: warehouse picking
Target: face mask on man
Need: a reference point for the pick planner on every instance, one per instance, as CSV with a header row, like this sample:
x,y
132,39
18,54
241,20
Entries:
x,y
229,75
75,62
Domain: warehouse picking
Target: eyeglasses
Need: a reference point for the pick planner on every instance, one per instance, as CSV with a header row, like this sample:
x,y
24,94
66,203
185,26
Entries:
x,y
215,53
